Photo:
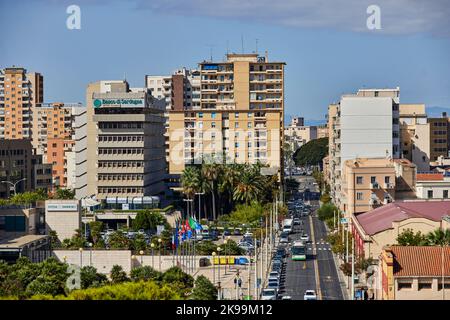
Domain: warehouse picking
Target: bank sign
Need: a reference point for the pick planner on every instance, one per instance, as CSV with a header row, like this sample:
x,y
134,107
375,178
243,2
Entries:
x,y
62,207
98,103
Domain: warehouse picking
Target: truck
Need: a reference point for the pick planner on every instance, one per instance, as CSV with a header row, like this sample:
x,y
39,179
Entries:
x,y
287,225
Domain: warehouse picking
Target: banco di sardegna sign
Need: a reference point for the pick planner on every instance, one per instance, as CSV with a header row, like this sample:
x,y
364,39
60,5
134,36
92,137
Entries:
x,y
118,103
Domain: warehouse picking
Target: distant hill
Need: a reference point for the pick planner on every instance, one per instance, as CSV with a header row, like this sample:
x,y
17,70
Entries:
x,y
436,112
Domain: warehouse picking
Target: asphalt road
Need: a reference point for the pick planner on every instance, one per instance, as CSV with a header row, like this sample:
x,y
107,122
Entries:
x,y
319,271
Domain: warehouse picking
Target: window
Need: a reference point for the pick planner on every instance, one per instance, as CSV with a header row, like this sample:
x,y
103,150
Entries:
x,y
236,124
404,285
445,194
213,115
373,179
249,125
359,196
213,124
386,179
359,180
430,194
424,285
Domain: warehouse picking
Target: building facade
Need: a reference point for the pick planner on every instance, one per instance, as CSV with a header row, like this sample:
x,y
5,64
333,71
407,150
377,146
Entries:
x,y
125,142
415,135
240,118
439,136
20,92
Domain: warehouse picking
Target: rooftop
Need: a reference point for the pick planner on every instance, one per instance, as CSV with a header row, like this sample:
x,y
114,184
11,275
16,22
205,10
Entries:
x,y
381,219
12,241
369,163
432,176
420,261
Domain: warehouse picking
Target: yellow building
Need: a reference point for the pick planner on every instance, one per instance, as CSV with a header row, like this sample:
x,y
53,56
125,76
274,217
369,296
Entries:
x,y
240,118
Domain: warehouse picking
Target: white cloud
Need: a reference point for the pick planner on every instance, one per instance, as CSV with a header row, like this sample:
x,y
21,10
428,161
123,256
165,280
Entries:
x,y
397,16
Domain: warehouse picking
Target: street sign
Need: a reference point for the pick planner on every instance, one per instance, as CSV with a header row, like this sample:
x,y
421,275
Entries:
x,y
344,220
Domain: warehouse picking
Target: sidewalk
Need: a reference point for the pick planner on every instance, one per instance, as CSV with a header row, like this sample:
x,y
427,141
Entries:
x,y
342,277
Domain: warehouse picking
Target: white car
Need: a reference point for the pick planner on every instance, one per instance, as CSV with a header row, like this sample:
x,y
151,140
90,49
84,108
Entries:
x,y
248,235
274,274
304,237
269,294
310,295
286,298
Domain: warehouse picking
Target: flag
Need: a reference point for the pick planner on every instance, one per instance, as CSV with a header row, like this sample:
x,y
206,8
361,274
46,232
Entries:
x,y
192,223
198,226
188,229
173,242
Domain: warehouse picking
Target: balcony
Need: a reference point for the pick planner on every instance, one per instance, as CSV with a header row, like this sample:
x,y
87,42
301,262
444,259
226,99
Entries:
x,y
389,185
374,185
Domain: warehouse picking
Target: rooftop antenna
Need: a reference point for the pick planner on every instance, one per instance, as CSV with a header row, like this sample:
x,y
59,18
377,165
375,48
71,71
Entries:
x,y
211,46
256,45
242,43
228,50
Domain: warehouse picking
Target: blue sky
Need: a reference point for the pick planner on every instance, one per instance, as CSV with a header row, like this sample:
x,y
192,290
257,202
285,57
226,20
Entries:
x,y
326,45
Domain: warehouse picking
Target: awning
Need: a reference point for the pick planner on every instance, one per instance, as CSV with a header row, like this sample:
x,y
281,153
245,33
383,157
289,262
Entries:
x,y
88,202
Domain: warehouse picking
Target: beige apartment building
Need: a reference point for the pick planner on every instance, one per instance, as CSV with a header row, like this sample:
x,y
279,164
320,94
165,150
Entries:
x,y
415,135
322,131
20,92
240,118
297,134
439,136
125,143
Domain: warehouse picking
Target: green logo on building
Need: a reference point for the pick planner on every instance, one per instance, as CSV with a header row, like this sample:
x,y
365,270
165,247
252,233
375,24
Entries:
x,y
97,103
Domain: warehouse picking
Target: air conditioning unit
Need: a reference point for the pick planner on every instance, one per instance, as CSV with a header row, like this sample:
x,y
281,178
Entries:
x,y
389,185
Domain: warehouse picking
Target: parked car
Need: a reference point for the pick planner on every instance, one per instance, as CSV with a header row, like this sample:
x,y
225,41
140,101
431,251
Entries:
x,y
226,233
237,232
304,237
269,294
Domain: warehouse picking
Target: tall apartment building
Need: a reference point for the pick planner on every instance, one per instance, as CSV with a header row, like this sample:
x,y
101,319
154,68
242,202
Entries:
x,y
18,161
322,131
240,117
80,137
125,143
362,125
54,139
181,90
415,135
439,137
20,92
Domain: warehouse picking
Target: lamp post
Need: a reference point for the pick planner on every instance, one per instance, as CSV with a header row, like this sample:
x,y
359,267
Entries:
x,y
90,253
159,242
152,245
214,268
133,257
225,242
141,253
228,241
218,254
14,184
81,257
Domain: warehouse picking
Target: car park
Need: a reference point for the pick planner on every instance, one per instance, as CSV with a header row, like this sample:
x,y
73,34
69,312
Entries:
x,y
237,232
269,294
310,295
226,233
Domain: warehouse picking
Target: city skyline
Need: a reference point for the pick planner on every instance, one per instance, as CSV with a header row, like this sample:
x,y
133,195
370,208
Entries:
x,y
323,60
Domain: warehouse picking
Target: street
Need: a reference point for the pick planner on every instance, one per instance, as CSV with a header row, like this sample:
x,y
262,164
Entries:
x,y
318,272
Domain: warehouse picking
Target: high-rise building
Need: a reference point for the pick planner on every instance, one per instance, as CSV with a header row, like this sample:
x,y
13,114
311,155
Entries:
x,y
362,125
439,137
240,117
125,142
415,135
20,92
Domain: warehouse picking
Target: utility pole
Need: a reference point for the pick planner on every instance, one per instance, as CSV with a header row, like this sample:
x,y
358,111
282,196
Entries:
x,y
353,269
346,243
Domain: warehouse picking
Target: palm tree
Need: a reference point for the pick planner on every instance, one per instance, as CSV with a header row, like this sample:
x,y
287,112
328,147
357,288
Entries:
x,y
439,237
210,172
190,181
249,186
228,180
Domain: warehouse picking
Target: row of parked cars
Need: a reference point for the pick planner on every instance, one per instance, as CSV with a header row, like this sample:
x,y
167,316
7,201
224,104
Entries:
x,y
276,280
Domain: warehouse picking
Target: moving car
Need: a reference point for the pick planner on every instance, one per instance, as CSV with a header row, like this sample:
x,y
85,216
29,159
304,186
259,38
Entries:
x,y
297,221
284,238
273,285
274,274
286,298
269,294
304,237
310,295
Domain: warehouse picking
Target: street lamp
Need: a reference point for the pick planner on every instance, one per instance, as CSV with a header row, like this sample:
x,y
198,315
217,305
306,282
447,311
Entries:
x,y
90,253
225,242
159,242
152,245
214,267
218,254
141,254
228,241
81,257
14,184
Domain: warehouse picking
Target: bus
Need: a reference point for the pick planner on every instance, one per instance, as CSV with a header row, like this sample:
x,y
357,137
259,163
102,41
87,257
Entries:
x,y
298,251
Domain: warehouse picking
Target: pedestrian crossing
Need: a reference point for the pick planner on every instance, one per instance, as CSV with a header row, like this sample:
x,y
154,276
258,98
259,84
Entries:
x,y
321,246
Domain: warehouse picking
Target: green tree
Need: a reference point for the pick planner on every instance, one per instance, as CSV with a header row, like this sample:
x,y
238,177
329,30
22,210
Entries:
x,y
96,228
91,278
211,172
249,186
327,211
439,237
311,153
117,240
179,279
145,273
139,243
203,289
409,238
64,194
148,220
54,241
118,275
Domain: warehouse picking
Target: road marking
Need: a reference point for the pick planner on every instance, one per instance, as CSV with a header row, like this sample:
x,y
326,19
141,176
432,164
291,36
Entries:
x,y
316,267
